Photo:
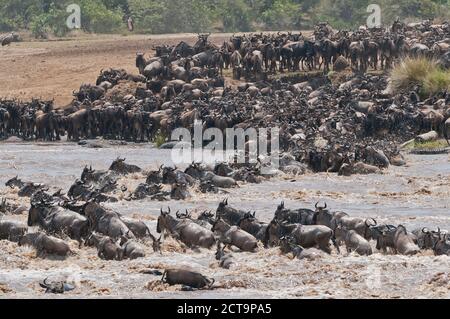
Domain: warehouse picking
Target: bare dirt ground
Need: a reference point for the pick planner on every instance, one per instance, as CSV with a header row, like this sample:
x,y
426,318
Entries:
x,y
53,69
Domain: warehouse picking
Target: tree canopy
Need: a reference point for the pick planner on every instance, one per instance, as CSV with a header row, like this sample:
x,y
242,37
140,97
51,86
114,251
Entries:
x,y
44,17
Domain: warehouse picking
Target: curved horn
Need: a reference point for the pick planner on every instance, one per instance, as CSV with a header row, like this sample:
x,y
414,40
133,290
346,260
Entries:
x,y
425,230
317,205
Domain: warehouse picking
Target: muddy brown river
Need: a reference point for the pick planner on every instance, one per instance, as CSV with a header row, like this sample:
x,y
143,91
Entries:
x,y
416,195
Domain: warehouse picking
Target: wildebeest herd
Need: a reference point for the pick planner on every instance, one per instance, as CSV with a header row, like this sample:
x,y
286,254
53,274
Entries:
x,y
328,126
352,126
303,232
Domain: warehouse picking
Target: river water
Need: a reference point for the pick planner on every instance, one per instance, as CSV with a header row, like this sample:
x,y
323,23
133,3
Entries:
x,y
416,195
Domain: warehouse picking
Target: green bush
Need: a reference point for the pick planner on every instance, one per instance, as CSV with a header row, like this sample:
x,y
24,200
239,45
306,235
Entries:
x,y
169,16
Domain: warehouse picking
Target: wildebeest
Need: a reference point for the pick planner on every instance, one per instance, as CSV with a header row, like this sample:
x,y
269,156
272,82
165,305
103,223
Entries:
x,y
107,248
225,260
57,220
234,236
56,287
120,167
353,241
427,239
251,225
229,214
12,231
26,189
442,246
186,278
305,235
106,222
45,245
298,216
399,240
185,230
362,226
131,249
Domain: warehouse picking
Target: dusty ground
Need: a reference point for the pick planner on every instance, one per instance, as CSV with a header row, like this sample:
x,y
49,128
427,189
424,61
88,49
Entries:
x,y
53,69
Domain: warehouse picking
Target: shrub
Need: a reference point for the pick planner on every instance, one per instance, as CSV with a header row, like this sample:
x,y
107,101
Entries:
x,y
409,73
437,80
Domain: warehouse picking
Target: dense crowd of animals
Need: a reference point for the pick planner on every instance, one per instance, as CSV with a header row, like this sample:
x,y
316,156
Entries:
x,y
329,126
80,215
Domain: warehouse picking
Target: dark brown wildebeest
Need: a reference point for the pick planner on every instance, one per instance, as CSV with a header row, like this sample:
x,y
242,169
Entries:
x,y
186,278
57,220
45,245
234,236
106,222
12,231
107,248
185,230
306,236
251,225
229,214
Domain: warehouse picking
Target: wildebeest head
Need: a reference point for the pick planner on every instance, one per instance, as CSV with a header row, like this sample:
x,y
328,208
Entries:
x,y
429,238
194,170
155,177
58,287
28,239
169,175
281,211
14,182
322,216
87,173
179,191
165,221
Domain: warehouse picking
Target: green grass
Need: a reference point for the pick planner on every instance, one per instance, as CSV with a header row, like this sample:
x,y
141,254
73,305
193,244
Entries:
x,y
438,144
421,72
159,138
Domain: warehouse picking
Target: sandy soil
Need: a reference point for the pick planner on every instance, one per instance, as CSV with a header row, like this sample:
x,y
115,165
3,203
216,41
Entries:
x,y
53,69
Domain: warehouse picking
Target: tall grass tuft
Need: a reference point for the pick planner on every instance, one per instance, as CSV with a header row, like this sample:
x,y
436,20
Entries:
x,y
419,72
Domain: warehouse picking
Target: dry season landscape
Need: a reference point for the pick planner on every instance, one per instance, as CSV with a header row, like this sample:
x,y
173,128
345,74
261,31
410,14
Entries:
x,y
340,149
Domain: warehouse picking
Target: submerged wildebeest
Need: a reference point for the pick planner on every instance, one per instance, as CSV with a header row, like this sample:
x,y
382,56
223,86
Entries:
x,y
107,248
57,287
362,226
26,189
12,231
305,235
131,249
225,260
353,241
186,278
399,240
57,220
251,225
288,245
106,222
185,230
234,236
120,167
298,216
45,245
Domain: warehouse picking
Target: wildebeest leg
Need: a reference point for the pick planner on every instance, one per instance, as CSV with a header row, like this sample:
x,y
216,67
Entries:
x,y
335,244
